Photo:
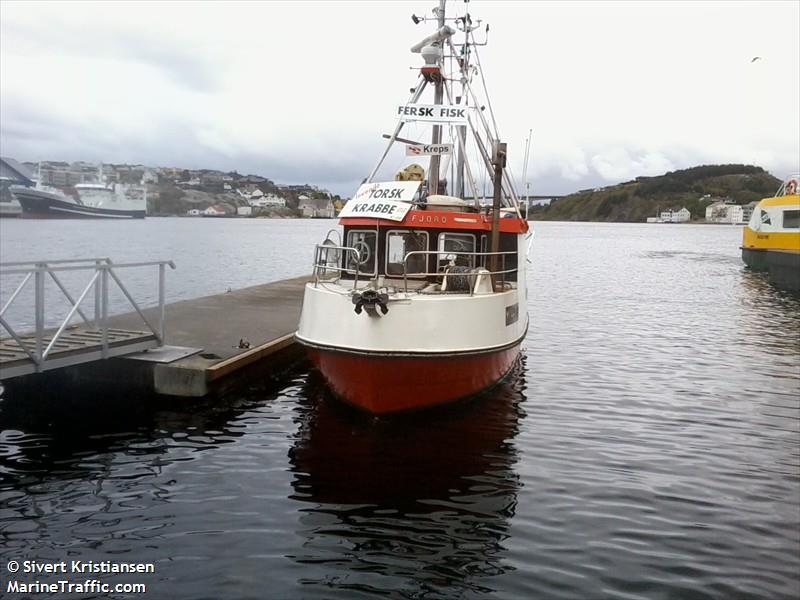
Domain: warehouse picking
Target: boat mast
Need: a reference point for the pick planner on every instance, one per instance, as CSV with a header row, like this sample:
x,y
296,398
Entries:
x,y
461,130
438,94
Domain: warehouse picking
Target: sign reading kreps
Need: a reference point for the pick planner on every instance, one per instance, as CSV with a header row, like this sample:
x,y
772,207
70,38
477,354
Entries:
x,y
428,149
436,113
382,200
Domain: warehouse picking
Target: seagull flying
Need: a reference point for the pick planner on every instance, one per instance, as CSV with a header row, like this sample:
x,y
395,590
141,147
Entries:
x,y
755,59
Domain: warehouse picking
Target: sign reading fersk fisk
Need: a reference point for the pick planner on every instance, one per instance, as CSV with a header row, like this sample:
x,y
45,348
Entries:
x,y
382,200
436,113
428,149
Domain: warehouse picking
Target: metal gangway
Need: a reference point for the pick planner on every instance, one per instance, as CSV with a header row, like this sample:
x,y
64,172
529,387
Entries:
x,y
71,344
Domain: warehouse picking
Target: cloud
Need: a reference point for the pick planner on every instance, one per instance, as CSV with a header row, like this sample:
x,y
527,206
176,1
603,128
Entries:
x,y
617,164
112,39
296,94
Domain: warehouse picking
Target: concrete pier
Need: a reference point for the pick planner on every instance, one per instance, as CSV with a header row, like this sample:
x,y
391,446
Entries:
x,y
203,343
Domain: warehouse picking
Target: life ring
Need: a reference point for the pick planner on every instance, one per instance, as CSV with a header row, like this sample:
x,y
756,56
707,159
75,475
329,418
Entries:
x,y
790,188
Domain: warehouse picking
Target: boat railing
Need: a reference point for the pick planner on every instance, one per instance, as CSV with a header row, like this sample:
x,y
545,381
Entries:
x,y
327,261
328,265
476,259
104,271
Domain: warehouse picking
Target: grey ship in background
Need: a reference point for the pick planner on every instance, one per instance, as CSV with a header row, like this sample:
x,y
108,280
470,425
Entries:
x,y
91,200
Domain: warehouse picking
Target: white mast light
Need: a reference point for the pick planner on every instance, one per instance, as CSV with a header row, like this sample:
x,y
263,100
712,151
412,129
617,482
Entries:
x,y
432,55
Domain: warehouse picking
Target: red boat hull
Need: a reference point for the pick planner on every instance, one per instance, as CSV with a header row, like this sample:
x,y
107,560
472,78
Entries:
x,y
383,384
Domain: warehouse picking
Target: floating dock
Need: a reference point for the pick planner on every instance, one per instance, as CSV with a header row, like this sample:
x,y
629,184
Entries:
x,y
207,339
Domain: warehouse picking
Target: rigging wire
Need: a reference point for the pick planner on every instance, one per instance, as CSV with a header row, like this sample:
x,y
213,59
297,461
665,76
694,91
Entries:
x,y
485,89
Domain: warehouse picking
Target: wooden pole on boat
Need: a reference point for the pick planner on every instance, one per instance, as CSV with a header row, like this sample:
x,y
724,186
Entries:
x,y
499,163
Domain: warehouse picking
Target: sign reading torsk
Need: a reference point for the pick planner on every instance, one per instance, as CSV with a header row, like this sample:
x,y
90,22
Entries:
x,y
382,200
436,113
428,149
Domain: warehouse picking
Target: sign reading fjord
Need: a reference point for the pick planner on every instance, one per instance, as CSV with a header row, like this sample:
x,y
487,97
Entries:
x,y
435,113
382,200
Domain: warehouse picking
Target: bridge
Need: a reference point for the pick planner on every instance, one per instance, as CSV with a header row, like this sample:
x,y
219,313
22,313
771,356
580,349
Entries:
x,y
70,343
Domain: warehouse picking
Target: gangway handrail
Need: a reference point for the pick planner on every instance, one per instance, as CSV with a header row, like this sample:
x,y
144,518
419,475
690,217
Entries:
x,y
80,268
104,268
53,262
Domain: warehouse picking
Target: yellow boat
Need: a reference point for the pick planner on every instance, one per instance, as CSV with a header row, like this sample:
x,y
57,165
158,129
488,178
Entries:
x,y
771,239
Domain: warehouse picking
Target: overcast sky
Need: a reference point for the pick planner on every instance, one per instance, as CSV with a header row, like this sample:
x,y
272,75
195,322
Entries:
x,y
302,91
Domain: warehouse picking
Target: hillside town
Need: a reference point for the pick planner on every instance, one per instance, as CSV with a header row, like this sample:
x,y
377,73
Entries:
x,y
176,191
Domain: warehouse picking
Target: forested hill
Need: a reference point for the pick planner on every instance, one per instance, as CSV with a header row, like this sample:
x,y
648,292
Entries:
x,y
634,201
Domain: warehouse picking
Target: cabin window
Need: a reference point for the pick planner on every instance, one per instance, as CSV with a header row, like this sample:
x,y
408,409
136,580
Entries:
x,y
398,245
458,248
365,243
791,219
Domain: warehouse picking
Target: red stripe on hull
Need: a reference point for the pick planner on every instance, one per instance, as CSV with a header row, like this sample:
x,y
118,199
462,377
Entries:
x,y
384,384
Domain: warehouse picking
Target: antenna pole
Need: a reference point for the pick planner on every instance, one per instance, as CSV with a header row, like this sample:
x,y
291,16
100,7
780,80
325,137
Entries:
x,y
499,163
433,172
462,129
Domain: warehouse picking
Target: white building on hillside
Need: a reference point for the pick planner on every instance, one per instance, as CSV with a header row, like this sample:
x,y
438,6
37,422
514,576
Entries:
x,y
736,214
747,211
673,216
266,201
717,212
720,212
681,216
214,211
317,208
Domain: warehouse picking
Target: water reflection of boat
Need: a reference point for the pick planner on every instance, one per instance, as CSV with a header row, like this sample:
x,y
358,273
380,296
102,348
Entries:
x,y
426,498
771,239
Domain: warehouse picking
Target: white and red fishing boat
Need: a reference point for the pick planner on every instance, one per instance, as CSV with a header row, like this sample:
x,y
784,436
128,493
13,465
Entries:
x,y
422,299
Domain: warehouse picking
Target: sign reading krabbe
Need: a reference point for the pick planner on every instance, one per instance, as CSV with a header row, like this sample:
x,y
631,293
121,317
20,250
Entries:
x,y
382,200
428,149
436,113
387,190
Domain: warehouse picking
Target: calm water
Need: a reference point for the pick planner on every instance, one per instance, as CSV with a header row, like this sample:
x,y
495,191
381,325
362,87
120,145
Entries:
x,y
646,446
